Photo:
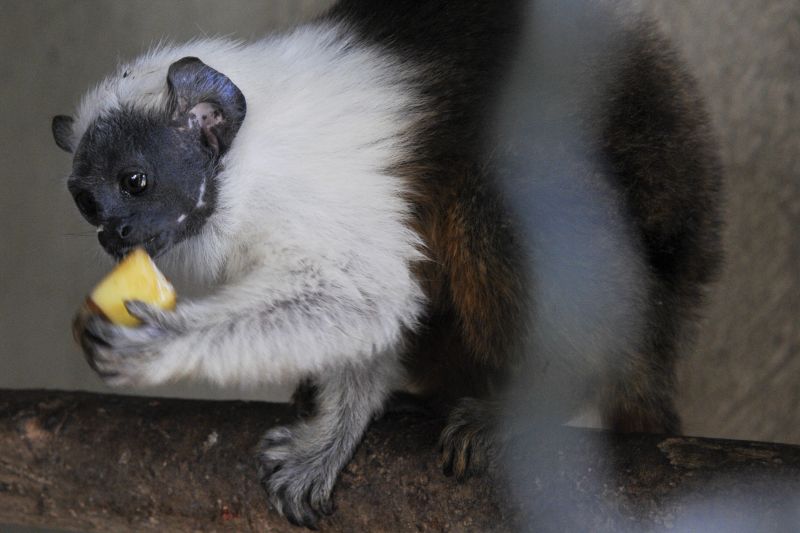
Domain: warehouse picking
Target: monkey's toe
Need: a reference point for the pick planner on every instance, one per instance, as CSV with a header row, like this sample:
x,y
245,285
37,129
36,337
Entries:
x,y
467,441
297,483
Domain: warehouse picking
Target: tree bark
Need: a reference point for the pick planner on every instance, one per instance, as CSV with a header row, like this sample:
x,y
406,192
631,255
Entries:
x,y
93,462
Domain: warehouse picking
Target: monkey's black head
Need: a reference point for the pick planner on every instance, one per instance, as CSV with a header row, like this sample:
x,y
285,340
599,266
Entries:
x,y
147,178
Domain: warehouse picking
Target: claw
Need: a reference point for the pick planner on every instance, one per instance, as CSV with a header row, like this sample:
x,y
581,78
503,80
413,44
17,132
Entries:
x,y
467,441
144,312
446,461
118,354
296,477
154,316
276,436
98,330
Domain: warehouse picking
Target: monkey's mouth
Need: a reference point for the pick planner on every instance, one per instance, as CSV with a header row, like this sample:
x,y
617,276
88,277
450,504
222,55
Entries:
x,y
155,246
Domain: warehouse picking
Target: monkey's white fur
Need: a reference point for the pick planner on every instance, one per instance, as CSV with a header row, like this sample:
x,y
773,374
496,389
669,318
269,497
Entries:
x,y
309,240
309,236
309,249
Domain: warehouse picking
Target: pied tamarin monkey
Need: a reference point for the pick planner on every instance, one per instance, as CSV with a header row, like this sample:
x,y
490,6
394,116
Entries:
x,y
464,200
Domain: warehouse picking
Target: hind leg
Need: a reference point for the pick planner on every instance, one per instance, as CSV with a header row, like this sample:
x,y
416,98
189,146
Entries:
x,y
299,464
640,399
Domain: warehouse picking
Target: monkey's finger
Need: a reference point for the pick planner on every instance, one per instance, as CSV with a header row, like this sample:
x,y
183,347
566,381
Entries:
x,y
320,500
90,346
289,503
462,459
98,333
121,340
446,460
148,314
276,436
299,512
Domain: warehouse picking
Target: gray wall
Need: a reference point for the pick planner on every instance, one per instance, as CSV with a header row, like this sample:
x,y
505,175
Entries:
x,y
743,380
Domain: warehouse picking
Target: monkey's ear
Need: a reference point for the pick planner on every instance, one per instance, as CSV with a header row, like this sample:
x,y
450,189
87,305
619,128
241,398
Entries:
x,y
62,132
202,98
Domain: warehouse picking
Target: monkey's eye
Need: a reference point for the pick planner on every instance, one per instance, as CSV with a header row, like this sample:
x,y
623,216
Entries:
x,y
133,181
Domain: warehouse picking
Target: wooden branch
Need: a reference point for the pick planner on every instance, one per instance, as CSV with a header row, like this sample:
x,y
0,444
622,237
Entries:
x,y
113,463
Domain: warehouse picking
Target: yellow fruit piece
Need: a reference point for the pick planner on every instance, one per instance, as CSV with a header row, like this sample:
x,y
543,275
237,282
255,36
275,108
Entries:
x,y
136,277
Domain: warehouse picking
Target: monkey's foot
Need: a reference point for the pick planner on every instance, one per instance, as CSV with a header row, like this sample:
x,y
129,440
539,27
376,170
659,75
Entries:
x,y
298,474
468,441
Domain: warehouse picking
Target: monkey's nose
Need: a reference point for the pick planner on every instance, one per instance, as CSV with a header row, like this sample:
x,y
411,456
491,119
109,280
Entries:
x,y
124,231
118,236
87,205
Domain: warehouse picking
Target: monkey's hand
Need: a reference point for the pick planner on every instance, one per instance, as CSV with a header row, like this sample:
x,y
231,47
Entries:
x,y
277,323
128,355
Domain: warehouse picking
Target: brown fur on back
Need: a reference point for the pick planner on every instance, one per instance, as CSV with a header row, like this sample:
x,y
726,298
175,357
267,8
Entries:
x,y
473,279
